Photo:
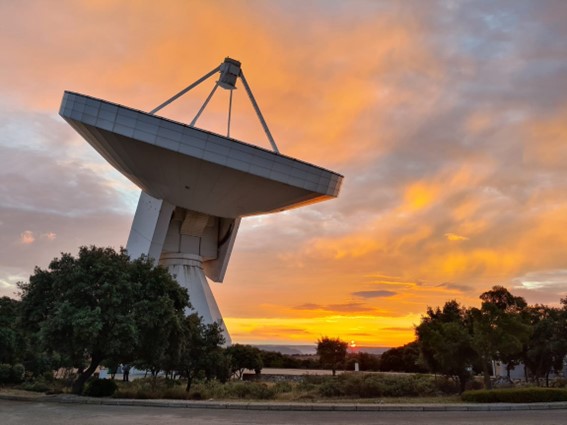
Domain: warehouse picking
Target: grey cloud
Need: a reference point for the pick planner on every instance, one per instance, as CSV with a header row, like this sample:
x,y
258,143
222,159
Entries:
x,y
309,306
339,308
374,294
45,190
456,286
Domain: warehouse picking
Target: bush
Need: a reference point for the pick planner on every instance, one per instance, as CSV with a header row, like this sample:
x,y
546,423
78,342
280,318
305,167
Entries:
x,y
100,388
208,390
363,385
250,390
5,373
516,395
283,387
38,386
18,373
331,388
12,374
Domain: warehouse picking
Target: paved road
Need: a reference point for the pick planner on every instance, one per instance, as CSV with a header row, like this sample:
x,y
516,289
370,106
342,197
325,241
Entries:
x,y
36,413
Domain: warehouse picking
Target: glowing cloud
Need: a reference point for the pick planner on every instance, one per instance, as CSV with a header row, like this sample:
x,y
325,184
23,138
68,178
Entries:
x,y
27,237
455,238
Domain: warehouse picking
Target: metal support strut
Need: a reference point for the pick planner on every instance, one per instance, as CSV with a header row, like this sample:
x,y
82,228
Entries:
x,y
230,70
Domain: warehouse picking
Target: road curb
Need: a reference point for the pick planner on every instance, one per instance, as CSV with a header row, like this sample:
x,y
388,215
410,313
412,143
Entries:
x,y
320,407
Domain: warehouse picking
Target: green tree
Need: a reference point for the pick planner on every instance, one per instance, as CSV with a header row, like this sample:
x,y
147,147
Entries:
x,y
402,359
88,308
332,352
445,342
243,357
547,345
159,316
11,342
200,348
500,329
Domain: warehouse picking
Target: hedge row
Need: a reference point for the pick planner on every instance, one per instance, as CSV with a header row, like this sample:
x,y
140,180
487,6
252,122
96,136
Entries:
x,y
516,395
360,385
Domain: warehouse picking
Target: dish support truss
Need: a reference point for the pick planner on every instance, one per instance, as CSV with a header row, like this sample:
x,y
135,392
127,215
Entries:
x,y
230,70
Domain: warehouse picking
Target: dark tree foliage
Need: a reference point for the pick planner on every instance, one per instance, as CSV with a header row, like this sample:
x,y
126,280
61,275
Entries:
x,y
11,340
547,345
332,353
159,317
275,359
200,350
402,359
366,361
500,329
243,357
445,342
95,307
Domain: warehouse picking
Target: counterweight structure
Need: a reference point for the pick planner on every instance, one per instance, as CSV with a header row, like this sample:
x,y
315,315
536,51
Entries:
x,y
196,185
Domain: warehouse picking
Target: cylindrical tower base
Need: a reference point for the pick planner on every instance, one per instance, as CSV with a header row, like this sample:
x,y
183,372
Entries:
x,y
187,269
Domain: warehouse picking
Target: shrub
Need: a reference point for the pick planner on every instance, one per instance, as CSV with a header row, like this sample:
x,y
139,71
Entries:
x,y
331,388
38,386
283,387
363,385
447,386
12,374
100,388
212,389
18,373
5,373
250,390
516,395
175,393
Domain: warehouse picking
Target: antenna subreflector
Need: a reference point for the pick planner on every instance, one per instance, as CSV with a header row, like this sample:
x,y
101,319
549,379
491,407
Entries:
x,y
230,71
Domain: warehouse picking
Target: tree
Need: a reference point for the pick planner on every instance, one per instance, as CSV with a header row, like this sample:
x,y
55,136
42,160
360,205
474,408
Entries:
x,y
88,308
10,336
402,359
332,352
499,328
159,317
547,345
243,357
200,348
445,342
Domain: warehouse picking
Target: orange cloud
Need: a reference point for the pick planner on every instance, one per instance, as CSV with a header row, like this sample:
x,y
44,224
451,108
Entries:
x,y
546,145
420,195
454,237
27,237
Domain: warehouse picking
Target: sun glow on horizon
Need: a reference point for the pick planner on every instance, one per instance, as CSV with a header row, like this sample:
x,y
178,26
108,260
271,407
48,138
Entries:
x,y
368,330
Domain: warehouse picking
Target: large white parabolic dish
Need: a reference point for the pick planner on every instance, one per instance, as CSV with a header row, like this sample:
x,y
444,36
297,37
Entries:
x,y
196,186
196,169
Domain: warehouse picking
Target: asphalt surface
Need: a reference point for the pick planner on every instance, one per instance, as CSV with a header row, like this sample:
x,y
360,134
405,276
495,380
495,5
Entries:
x,y
13,412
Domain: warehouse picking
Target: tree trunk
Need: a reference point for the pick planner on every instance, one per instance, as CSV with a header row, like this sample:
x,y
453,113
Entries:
x,y
486,375
189,382
547,379
79,383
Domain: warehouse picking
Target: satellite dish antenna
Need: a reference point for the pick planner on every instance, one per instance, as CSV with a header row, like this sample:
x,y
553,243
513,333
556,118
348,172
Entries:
x,y
196,185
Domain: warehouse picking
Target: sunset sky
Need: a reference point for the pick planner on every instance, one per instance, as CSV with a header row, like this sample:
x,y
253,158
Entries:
x,y
448,120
